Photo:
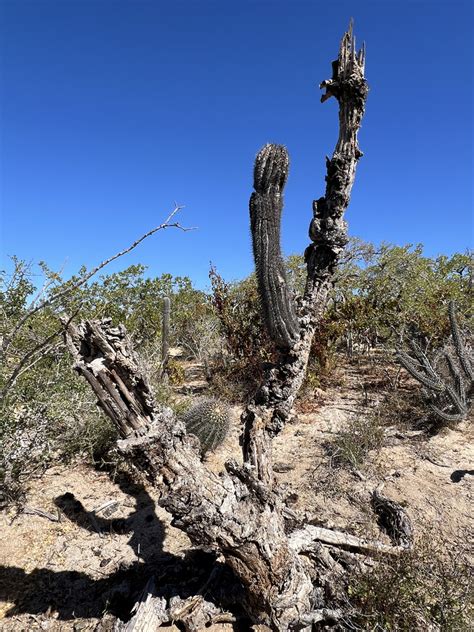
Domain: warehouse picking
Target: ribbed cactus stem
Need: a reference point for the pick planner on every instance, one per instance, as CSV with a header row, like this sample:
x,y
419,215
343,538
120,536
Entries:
x,y
266,205
451,366
450,418
408,364
423,360
208,420
456,400
165,334
458,343
454,392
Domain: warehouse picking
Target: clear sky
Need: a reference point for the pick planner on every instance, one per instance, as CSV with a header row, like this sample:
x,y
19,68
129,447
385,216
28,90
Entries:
x,y
112,110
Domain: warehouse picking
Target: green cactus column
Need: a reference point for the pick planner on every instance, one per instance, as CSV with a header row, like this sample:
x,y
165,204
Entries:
x,y
266,205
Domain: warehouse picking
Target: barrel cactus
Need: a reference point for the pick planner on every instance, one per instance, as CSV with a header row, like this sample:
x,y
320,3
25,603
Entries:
x,y
209,421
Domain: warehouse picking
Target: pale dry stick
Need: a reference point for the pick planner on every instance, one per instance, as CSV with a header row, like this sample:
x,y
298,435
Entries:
x,y
83,280
32,511
47,284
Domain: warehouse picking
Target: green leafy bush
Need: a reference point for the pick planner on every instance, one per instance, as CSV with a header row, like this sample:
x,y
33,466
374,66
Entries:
x,y
247,345
43,403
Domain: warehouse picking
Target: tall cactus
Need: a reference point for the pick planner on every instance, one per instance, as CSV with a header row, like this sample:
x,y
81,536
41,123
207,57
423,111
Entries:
x,y
266,205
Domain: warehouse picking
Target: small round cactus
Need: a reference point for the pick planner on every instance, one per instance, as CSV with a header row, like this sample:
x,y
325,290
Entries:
x,y
209,421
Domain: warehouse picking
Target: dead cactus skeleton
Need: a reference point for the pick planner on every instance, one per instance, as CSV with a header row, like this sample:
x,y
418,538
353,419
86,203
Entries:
x,y
291,580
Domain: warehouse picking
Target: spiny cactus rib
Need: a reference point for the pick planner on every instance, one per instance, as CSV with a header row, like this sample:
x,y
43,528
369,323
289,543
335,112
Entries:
x,y
423,360
266,205
455,417
407,363
209,421
456,401
451,366
458,343
461,390
453,393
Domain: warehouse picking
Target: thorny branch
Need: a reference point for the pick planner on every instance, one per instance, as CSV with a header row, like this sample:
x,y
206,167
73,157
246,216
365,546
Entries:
x,y
43,346
54,298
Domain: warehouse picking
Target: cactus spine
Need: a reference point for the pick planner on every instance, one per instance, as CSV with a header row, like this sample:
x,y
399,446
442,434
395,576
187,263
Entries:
x,y
209,421
266,205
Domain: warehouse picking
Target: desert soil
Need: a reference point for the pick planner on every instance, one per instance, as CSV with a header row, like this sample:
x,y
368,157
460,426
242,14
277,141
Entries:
x,y
81,563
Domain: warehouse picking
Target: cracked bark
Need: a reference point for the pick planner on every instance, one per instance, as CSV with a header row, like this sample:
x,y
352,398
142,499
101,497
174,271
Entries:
x,y
239,514
268,411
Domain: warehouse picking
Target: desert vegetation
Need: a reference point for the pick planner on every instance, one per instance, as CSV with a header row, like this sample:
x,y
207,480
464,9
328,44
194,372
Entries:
x,y
276,422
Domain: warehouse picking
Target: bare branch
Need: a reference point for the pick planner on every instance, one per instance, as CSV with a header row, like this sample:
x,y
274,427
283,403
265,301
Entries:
x,y
83,280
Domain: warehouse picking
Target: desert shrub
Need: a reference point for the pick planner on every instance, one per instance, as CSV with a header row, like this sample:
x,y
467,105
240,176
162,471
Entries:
x,y
175,372
382,294
403,407
354,443
427,588
396,289
43,404
247,344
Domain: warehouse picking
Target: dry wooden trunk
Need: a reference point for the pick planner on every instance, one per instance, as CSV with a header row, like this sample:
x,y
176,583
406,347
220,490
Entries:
x,y
289,580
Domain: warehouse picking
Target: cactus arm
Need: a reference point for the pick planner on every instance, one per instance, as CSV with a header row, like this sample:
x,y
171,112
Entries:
x,y
461,391
453,393
456,400
266,205
270,407
423,360
407,362
456,417
458,343
451,366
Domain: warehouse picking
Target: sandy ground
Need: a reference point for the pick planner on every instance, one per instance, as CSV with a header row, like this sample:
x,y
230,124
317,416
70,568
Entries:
x,y
80,565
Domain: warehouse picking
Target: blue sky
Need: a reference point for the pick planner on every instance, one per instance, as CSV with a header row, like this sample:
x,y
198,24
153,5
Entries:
x,y
112,110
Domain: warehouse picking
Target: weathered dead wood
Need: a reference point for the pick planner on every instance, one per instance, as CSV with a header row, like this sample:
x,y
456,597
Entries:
x,y
304,540
238,514
33,511
152,610
268,411
234,513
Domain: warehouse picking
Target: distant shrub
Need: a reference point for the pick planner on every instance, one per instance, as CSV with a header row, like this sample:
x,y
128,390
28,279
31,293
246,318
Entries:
x,y
248,346
427,588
